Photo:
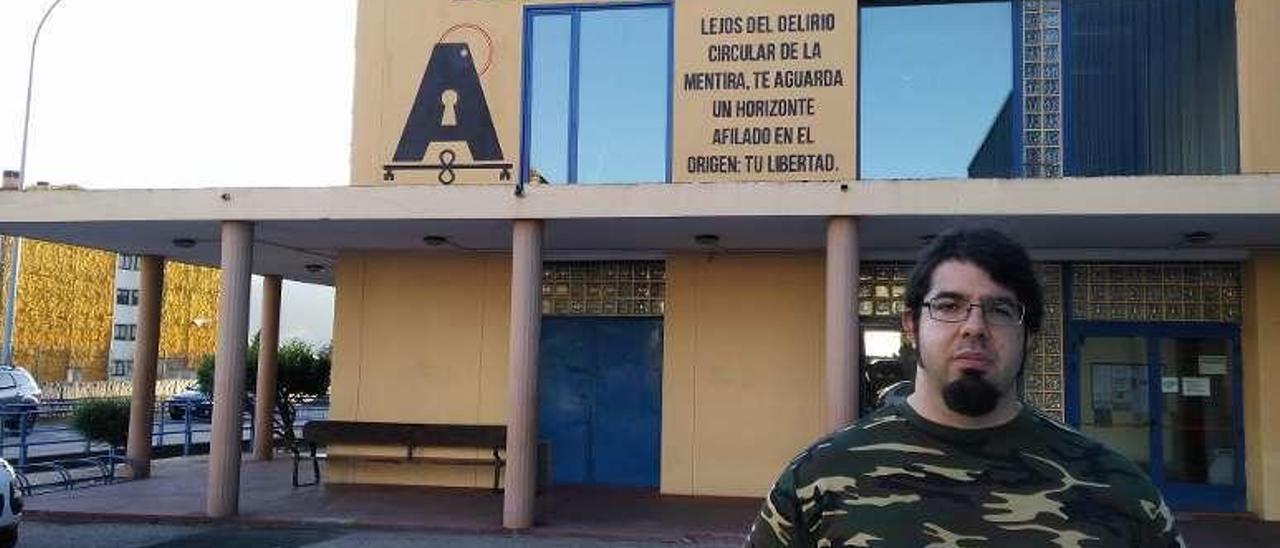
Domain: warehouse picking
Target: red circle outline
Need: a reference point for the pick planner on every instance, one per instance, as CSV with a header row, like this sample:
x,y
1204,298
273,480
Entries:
x,y
487,39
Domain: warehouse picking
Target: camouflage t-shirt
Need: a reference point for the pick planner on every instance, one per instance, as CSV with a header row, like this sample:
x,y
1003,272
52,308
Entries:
x,y
896,479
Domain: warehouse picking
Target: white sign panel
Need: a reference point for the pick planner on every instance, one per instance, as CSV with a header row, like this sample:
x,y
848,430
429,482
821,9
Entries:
x,y
1213,364
1169,385
1195,387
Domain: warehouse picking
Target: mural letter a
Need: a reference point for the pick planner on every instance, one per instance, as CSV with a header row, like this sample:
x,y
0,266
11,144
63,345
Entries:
x,y
451,69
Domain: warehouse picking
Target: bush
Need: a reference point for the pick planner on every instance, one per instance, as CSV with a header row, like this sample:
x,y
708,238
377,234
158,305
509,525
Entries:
x,y
103,420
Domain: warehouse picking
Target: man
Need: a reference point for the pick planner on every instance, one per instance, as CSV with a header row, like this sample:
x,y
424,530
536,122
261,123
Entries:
x,y
962,462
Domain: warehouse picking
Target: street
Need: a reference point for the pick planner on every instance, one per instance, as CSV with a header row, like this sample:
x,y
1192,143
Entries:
x,y
39,534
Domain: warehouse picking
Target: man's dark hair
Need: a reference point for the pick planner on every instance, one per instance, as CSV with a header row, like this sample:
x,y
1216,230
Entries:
x,y
1003,259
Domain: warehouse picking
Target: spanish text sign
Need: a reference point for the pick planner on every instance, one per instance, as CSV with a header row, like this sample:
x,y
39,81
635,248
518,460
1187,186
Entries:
x,y
765,91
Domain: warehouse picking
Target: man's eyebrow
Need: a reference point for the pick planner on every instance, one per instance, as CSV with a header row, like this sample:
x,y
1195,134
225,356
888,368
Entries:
x,y
949,295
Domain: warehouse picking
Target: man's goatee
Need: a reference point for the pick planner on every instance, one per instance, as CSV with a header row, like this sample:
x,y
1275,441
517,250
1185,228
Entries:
x,y
971,395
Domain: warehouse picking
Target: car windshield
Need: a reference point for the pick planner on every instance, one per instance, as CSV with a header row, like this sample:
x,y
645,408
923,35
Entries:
x,y
7,381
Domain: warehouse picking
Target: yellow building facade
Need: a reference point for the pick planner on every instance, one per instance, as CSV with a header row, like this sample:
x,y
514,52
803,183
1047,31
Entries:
x,y
422,336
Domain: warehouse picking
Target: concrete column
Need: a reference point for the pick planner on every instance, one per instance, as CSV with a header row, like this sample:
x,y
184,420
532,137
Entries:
x,y
269,343
145,351
522,383
1260,344
1257,78
842,335
223,485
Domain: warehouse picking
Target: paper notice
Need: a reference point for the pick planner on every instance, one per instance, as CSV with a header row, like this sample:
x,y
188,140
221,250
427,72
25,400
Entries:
x,y
1195,387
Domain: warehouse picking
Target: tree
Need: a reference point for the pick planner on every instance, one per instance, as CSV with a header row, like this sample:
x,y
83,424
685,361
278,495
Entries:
x,y
302,372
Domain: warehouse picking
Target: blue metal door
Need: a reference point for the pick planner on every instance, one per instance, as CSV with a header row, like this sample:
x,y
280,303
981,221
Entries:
x,y
599,392
1168,397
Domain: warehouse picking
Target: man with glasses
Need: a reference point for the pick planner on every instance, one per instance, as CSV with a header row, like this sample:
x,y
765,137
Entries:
x,y
963,462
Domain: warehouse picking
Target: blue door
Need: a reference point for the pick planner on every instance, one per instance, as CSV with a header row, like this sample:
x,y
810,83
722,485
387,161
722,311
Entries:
x,y
1168,397
599,399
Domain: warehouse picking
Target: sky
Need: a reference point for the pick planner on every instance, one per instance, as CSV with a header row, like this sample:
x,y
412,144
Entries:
x,y
186,94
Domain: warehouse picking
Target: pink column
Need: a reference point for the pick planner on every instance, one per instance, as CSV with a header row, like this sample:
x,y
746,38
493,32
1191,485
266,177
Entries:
x,y
222,489
145,351
522,383
842,323
264,406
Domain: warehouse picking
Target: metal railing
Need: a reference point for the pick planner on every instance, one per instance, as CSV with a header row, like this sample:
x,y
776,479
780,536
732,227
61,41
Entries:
x,y
41,442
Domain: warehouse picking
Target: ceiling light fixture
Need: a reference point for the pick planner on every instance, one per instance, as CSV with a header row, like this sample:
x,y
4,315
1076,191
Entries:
x,y
435,241
314,267
184,243
707,240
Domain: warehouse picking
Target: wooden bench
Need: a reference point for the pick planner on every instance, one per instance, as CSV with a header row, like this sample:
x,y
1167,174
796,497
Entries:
x,y
410,436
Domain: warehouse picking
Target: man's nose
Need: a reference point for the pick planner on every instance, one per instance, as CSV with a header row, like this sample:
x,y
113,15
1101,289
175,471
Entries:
x,y
976,323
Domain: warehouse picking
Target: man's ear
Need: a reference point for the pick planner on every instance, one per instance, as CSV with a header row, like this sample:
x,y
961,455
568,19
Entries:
x,y
909,327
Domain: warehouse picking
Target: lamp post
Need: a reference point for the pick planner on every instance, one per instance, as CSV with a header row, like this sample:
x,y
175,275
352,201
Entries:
x,y
11,285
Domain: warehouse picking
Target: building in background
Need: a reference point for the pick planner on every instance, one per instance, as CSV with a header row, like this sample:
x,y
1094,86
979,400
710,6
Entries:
x,y
77,314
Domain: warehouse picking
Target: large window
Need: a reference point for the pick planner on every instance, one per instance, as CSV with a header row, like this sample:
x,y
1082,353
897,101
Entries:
x,y
935,90
597,85
1151,87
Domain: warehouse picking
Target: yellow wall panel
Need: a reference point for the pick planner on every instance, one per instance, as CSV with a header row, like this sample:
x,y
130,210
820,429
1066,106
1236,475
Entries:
x,y
1259,77
742,370
395,40
1261,347
419,338
189,312
64,310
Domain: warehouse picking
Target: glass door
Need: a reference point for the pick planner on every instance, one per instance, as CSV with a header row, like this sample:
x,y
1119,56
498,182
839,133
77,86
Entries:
x,y
1197,434
1115,383
1166,397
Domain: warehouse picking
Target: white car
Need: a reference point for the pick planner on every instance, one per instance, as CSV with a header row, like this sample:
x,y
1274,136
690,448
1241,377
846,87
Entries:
x,y
10,505
19,398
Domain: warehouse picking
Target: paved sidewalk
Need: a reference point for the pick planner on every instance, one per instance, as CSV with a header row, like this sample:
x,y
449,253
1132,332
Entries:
x,y
175,494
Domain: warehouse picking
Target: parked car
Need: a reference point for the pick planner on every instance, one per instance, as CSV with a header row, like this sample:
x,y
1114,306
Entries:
x,y
10,505
200,404
19,397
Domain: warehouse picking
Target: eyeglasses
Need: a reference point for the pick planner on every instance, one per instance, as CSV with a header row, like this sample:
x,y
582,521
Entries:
x,y
994,311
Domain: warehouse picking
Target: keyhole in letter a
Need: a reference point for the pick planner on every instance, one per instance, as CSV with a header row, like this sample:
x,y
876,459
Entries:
x,y
449,98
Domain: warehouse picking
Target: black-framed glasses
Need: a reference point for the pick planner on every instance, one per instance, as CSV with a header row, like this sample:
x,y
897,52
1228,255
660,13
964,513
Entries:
x,y
994,311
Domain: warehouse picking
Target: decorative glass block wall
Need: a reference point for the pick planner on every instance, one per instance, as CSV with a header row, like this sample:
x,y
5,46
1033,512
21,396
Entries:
x,y
1042,380
604,288
1156,292
1041,58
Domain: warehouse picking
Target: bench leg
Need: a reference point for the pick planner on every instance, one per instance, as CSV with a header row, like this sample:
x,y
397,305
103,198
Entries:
x,y
498,465
315,467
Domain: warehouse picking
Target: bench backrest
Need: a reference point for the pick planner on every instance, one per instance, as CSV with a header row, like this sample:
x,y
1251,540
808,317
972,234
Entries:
x,y
323,432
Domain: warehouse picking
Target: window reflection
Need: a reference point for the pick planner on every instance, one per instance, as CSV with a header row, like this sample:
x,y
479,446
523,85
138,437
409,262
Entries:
x,y
598,94
934,90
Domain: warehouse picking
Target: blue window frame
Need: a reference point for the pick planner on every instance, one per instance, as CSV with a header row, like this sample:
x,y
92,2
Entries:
x,y
597,94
